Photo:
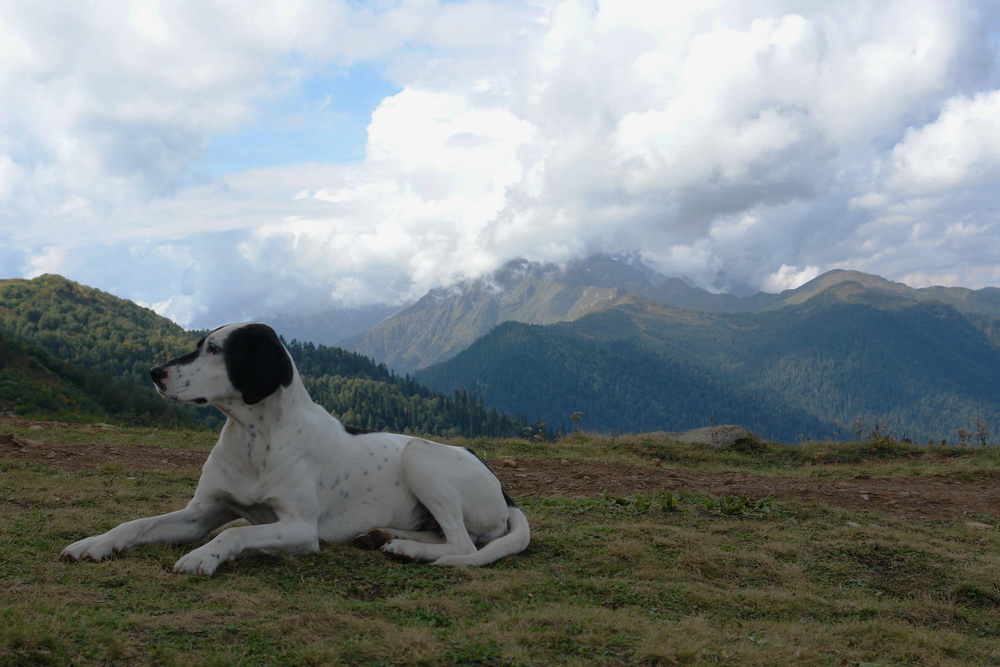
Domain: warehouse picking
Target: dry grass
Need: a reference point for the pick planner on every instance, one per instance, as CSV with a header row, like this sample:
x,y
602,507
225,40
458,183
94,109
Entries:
x,y
658,580
835,459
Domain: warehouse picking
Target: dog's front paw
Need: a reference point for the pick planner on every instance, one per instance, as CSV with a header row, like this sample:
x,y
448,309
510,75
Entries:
x,y
94,548
396,549
204,561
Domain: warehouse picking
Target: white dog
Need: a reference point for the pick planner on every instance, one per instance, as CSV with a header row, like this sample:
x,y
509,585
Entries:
x,y
300,477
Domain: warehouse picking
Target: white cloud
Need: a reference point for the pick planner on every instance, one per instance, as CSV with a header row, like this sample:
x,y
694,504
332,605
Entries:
x,y
958,150
788,277
755,142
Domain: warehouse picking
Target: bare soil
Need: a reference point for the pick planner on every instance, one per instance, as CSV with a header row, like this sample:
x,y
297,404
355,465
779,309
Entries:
x,y
927,497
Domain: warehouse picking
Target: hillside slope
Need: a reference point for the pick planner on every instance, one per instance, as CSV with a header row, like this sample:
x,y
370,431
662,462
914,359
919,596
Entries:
x,y
846,352
34,384
89,328
73,352
619,384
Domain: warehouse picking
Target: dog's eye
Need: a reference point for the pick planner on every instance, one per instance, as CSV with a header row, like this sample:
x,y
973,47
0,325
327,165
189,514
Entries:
x,y
213,348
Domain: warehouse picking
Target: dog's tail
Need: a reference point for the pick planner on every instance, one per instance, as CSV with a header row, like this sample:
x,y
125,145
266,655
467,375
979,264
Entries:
x,y
514,541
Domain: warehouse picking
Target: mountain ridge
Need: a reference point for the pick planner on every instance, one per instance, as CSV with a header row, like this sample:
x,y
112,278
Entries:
x,y
447,320
844,353
843,346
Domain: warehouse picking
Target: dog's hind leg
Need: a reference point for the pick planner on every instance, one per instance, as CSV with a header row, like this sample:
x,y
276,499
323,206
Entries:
x,y
376,539
456,539
459,491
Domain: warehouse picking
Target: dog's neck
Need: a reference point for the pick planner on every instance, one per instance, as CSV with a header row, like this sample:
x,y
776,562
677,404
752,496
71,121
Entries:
x,y
260,426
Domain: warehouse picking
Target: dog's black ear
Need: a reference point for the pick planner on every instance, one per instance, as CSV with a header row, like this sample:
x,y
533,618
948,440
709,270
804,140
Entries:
x,y
256,362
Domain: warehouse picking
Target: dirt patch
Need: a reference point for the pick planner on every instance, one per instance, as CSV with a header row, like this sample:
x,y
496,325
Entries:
x,y
916,497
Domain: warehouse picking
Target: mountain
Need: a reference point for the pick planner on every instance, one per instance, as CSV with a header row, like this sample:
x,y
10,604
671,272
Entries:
x,y
675,292
89,328
846,345
984,301
73,352
831,354
448,320
619,384
330,327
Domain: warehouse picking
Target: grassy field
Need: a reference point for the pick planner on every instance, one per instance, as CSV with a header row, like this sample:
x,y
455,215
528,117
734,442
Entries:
x,y
667,578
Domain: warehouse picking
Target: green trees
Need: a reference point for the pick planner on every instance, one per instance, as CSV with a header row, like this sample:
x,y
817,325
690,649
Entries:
x,y
75,353
34,384
551,373
368,395
801,371
89,328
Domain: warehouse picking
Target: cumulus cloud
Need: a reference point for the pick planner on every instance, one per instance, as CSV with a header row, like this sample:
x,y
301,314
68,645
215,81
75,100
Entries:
x,y
960,149
752,143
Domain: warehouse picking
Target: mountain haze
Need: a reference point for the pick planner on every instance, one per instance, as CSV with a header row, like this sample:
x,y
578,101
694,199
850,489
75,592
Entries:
x,y
448,320
330,327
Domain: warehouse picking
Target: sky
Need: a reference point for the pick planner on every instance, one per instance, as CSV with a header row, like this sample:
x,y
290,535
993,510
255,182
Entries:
x,y
220,161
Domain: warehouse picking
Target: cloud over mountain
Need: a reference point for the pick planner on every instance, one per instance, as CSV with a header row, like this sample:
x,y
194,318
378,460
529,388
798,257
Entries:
x,y
755,143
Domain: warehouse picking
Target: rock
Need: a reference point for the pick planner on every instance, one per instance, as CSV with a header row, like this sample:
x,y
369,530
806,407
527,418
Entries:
x,y
654,462
978,526
510,463
716,437
853,524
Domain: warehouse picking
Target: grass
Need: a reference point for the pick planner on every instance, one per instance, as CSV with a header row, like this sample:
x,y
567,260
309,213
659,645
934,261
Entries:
x,y
666,578
109,434
874,456
816,459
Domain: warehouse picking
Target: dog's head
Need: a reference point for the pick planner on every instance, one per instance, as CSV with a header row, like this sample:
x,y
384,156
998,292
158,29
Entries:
x,y
243,362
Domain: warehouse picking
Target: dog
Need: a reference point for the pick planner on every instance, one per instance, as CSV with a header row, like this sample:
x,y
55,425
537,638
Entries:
x,y
301,478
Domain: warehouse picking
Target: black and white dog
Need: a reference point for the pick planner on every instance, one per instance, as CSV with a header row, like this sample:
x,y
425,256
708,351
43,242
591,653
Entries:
x,y
300,477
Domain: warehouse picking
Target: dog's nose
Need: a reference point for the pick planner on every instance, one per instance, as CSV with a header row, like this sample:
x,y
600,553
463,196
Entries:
x,y
158,373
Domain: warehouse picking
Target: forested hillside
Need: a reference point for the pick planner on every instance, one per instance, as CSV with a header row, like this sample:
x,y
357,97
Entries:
x,y
923,368
619,386
34,384
75,353
806,370
90,328
72,352
371,396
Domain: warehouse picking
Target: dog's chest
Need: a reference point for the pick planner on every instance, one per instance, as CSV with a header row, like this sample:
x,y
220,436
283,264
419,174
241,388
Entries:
x,y
253,496
256,479
255,513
